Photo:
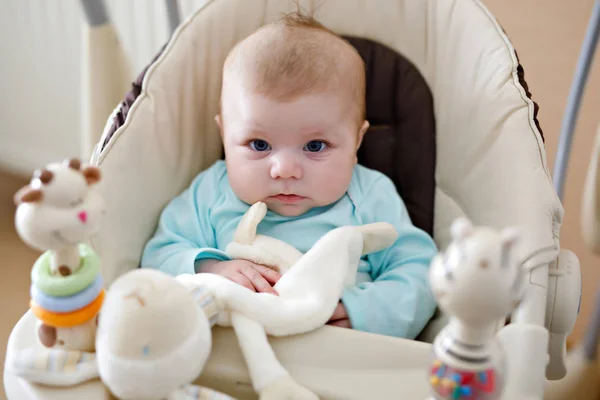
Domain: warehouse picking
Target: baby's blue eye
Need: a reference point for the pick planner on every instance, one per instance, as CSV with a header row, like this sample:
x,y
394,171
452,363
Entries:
x,y
315,146
259,145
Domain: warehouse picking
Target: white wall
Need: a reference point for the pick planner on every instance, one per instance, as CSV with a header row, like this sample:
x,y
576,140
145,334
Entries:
x,y
40,71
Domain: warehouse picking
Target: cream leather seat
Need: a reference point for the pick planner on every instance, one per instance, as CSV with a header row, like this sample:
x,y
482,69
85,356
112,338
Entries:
x,y
471,136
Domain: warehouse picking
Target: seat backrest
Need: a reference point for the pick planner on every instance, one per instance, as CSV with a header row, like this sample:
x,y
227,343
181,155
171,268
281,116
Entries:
x,y
401,139
482,148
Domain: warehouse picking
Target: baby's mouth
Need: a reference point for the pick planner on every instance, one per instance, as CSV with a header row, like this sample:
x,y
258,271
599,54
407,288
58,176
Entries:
x,y
288,198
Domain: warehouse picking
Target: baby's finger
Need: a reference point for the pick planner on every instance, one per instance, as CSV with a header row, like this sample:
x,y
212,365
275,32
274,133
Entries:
x,y
269,274
257,280
343,323
242,280
339,313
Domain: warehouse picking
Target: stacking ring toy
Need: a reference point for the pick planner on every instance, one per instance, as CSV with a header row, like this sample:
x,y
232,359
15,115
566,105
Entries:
x,y
68,320
65,285
68,303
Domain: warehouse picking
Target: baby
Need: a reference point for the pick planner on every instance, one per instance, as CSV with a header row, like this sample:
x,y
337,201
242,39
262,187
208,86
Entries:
x,y
292,118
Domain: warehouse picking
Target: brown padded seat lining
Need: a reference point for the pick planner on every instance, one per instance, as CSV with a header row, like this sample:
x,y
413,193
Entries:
x,y
401,140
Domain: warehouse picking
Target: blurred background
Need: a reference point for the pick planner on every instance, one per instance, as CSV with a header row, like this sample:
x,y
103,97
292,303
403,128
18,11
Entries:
x,y
43,98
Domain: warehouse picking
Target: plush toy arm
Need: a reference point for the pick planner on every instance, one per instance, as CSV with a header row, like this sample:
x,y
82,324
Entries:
x,y
195,392
269,378
262,307
310,290
53,367
263,366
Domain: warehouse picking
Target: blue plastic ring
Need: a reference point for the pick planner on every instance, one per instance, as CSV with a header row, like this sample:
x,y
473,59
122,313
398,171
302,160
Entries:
x,y
67,304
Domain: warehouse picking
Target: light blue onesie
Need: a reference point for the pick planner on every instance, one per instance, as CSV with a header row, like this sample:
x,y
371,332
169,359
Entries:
x,y
391,295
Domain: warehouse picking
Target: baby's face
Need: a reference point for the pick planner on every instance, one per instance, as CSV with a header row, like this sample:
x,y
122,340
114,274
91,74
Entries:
x,y
292,155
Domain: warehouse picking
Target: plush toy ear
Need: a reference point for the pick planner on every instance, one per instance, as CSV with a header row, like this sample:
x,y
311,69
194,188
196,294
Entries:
x,y
246,229
509,237
377,236
73,163
43,175
461,228
92,175
27,195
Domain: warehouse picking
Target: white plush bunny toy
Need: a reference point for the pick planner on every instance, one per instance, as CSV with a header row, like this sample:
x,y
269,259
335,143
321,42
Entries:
x,y
151,322
308,292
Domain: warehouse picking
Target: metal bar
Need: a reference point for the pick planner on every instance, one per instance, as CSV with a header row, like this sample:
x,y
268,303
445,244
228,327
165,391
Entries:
x,y
574,100
95,12
173,15
590,341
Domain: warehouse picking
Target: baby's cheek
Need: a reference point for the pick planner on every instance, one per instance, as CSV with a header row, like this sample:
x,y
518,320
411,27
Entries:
x,y
247,184
331,181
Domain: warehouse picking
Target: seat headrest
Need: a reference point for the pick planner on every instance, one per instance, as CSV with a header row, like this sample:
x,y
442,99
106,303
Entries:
x,y
401,139
448,58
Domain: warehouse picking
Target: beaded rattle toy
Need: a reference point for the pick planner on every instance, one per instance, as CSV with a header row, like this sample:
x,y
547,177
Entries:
x,y
56,213
477,282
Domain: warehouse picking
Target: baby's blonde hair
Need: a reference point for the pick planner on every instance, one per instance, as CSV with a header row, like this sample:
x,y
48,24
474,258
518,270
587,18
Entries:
x,y
295,56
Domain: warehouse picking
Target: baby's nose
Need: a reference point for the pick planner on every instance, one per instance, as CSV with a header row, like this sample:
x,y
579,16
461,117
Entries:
x,y
286,168
82,216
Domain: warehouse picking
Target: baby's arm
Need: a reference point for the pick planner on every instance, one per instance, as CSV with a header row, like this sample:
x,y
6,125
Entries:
x,y
185,234
398,302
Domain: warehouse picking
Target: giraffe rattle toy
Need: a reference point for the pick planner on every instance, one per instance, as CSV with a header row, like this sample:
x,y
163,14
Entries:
x,y
56,213
477,281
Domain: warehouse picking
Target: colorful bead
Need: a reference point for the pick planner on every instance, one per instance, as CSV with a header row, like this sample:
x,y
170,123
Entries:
x,y
482,376
61,286
66,304
456,384
456,393
467,377
441,371
487,381
68,320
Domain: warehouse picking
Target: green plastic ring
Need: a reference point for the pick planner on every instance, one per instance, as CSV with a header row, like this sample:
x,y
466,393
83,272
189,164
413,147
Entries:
x,y
61,286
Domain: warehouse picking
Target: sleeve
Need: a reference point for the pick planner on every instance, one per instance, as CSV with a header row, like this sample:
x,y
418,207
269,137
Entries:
x,y
184,233
399,301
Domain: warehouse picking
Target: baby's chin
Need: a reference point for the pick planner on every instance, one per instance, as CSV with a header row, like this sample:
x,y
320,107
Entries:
x,y
288,210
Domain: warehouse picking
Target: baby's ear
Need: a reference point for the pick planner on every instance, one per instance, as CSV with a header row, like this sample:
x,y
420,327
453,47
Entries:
x,y
219,123
361,133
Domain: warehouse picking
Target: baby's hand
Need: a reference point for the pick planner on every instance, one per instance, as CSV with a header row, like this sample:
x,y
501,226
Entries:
x,y
340,317
255,277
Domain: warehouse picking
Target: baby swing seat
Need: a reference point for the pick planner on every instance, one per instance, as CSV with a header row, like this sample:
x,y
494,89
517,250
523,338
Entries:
x,y
452,124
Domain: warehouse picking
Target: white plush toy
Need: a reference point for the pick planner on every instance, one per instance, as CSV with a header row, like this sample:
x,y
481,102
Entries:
x,y
154,338
151,322
308,292
56,213
477,281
